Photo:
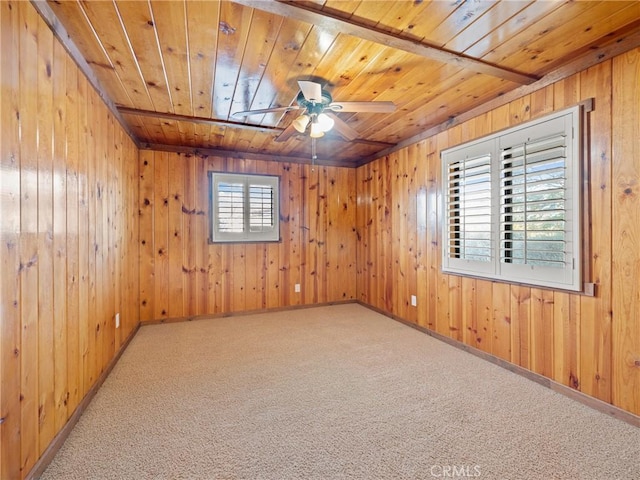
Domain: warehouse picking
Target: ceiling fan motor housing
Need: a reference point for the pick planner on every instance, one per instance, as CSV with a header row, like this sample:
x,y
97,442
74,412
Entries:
x,y
314,108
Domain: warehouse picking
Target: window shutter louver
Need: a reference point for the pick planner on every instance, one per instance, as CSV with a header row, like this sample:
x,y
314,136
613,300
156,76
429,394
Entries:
x,y
261,207
469,209
230,211
532,203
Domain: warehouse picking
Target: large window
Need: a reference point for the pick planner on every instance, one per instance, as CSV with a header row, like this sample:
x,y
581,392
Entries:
x,y
244,208
512,204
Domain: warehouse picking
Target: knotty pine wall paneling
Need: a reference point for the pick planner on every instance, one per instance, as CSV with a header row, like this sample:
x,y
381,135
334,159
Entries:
x,y
69,190
590,344
182,275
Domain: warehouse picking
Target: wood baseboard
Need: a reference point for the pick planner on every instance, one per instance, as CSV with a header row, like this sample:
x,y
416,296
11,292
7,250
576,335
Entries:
x,y
206,316
57,442
576,395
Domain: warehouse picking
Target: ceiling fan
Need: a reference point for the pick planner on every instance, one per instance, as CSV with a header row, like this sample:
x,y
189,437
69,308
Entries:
x,y
317,107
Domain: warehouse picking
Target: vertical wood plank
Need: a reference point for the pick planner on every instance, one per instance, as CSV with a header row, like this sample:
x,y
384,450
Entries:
x,y
92,238
596,314
176,168
285,246
311,218
294,210
46,409
11,166
147,245
433,232
161,235
60,248
83,239
520,325
74,358
501,321
98,187
191,238
422,246
202,232
626,234
541,353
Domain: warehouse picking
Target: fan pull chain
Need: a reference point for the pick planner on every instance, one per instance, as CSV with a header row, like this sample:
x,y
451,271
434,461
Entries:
x,y
314,155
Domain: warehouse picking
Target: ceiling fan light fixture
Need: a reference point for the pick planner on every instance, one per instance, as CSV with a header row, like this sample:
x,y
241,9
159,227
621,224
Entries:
x,y
316,130
325,122
300,123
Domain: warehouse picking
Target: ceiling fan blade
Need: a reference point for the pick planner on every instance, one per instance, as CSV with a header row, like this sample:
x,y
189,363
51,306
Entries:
x,y
342,128
373,107
265,110
312,91
286,134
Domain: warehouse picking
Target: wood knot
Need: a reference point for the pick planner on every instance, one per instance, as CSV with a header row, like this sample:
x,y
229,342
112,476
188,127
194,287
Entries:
x,y
628,191
573,381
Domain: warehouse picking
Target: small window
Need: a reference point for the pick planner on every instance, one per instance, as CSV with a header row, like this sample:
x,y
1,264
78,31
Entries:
x,y
244,208
513,204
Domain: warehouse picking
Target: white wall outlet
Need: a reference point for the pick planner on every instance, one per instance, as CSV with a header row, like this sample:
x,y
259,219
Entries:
x,y
297,288
414,300
117,320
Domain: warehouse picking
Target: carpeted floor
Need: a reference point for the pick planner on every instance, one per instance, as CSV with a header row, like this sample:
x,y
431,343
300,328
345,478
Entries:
x,y
336,392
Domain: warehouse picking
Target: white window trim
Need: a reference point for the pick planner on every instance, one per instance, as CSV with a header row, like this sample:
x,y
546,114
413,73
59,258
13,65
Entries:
x,y
571,276
267,235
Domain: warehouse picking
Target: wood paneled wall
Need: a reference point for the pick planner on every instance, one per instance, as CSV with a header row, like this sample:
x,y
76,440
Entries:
x,y
68,179
591,344
181,274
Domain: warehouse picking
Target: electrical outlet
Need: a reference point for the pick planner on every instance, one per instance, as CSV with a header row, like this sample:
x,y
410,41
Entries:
x,y
297,288
117,320
414,300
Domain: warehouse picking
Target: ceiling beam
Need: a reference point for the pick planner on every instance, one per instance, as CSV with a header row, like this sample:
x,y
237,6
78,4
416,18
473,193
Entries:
x,y
201,120
333,23
222,123
220,152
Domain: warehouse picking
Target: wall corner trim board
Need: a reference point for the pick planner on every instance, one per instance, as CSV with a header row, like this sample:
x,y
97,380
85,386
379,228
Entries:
x,y
57,442
576,395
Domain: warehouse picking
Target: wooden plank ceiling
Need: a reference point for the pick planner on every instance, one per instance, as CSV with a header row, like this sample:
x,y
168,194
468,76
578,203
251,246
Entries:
x,y
177,70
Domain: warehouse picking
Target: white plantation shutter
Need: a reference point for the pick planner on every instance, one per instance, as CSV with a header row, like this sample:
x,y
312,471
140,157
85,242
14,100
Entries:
x,y
244,208
533,203
230,207
261,216
534,200
470,209
469,233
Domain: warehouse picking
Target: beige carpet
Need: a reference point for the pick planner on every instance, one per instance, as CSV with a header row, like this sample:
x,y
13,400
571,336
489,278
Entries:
x,y
326,393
